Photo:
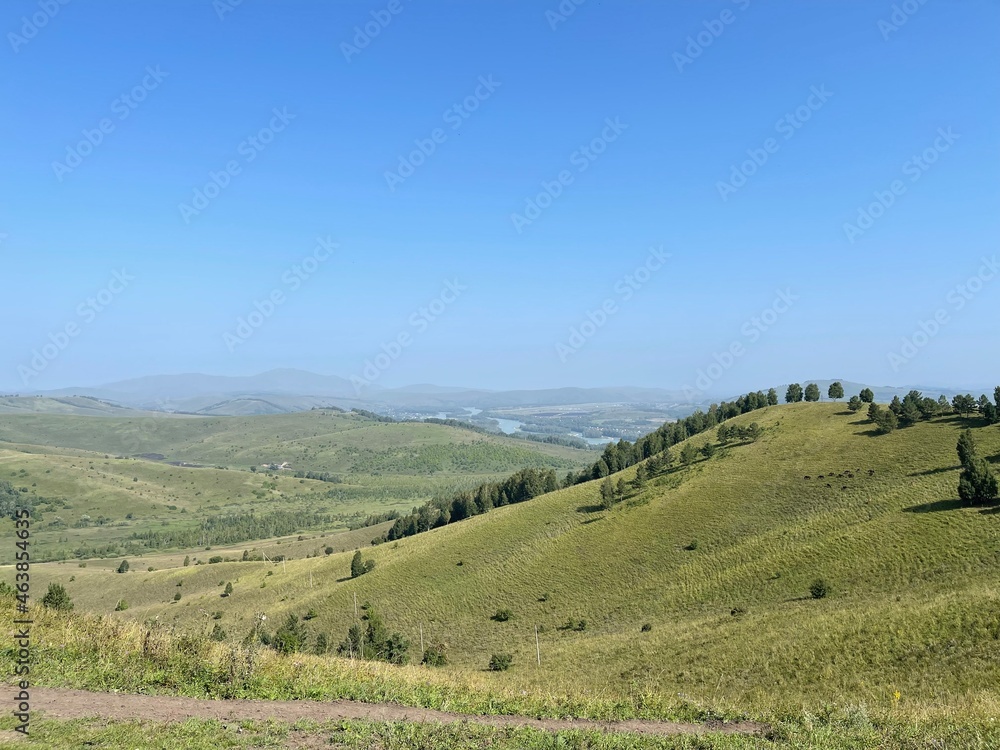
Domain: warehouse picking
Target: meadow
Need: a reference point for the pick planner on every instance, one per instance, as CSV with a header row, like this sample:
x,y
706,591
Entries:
x,y
689,599
98,481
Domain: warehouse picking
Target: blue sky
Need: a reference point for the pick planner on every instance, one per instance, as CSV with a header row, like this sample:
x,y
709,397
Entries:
x,y
829,102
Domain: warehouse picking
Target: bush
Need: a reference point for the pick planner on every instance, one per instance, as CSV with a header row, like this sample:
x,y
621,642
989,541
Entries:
x,y
328,550
819,589
435,656
215,559
122,606
218,634
500,662
502,615
646,628
57,598
692,546
738,612
228,591
177,596
123,568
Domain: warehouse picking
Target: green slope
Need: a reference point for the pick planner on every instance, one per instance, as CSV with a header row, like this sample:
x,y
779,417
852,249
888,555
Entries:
x,y
915,606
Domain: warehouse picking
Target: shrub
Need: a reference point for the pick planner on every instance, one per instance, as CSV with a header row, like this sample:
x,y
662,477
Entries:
x,y
57,598
312,614
177,596
502,615
218,634
435,656
328,550
187,560
149,569
122,606
692,546
500,662
123,568
215,559
738,612
229,590
819,589
646,628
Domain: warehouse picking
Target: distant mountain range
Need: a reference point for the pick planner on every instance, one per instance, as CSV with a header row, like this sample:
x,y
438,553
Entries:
x,y
289,390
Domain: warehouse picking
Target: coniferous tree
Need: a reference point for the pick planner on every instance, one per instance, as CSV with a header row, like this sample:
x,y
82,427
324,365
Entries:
x,y
867,396
57,598
772,397
854,404
966,448
607,492
793,394
835,391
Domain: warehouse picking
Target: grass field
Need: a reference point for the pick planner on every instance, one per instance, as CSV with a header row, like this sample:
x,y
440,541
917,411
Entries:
x,y
905,645
107,478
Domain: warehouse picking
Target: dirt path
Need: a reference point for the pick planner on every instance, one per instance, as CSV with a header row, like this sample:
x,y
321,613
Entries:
x,y
58,703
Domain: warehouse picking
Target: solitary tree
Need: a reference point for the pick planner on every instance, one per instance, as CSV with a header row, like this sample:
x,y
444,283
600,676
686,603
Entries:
x,y
57,598
607,492
123,568
359,567
977,485
966,448
793,394
772,397
836,390
812,392
867,395
229,590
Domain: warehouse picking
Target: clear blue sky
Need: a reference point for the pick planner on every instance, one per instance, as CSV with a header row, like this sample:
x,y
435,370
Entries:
x,y
887,95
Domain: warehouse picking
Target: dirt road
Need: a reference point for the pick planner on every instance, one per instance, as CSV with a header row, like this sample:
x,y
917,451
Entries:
x,y
58,703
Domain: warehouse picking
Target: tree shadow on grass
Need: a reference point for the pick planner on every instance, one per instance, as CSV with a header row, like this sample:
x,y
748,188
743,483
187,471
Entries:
x,y
936,506
993,510
589,509
869,433
930,472
593,520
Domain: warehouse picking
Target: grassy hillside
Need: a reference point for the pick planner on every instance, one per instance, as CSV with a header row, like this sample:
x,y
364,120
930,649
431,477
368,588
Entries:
x,y
96,481
78,405
914,607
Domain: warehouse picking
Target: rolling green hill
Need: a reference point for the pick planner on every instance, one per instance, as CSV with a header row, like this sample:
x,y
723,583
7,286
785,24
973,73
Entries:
x,y
97,481
694,590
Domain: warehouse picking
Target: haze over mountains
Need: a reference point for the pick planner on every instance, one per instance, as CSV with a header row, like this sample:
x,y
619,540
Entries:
x,y
289,390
